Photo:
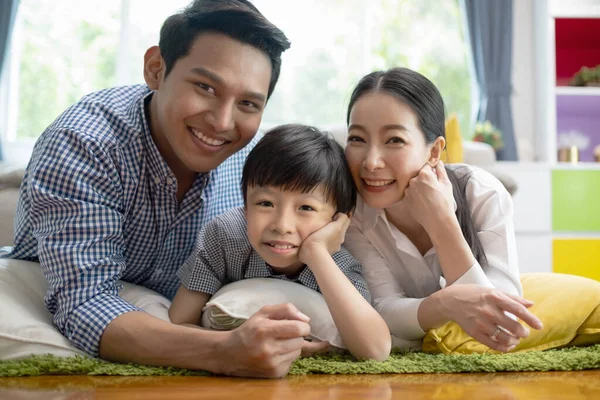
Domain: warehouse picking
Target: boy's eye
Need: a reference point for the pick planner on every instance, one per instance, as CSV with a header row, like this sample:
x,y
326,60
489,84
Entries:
x,y
264,203
353,138
396,140
306,208
206,87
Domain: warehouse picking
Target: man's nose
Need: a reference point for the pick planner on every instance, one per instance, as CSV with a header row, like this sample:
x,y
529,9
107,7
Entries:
x,y
221,117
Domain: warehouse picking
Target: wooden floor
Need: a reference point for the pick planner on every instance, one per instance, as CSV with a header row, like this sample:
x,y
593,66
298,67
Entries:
x,y
524,385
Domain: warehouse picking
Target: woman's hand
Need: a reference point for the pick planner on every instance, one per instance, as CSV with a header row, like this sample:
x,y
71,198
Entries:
x,y
329,238
429,195
482,313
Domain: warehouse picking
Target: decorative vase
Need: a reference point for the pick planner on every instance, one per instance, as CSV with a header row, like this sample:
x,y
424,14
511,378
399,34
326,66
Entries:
x,y
568,154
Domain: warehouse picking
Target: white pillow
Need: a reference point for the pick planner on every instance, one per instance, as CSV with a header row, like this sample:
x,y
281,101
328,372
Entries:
x,y
26,325
238,301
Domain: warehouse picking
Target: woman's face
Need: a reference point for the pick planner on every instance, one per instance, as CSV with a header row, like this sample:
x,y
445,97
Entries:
x,y
386,148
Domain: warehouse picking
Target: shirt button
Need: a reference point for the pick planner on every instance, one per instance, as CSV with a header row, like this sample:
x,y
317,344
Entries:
x,y
157,180
169,181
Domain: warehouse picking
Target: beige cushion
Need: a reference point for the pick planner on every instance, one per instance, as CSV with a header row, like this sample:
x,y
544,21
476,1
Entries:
x,y
236,302
26,325
8,205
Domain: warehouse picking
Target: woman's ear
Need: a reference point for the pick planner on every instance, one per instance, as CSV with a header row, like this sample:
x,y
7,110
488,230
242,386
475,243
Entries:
x,y
435,152
153,67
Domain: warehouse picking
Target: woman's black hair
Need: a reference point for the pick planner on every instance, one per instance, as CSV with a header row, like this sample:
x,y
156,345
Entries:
x,y
300,157
238,19
425,100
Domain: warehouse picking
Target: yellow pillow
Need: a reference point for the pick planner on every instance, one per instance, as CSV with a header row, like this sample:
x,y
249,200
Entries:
x,y
568,305
454,146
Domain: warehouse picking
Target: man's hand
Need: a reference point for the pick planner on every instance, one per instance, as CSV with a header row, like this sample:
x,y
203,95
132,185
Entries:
x,y
266,344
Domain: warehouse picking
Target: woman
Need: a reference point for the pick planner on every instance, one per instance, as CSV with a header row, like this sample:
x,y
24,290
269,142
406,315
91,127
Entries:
x,y
437,243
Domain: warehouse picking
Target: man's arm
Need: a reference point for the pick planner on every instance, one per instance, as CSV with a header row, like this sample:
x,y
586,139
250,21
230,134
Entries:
x,y
264,346
75,208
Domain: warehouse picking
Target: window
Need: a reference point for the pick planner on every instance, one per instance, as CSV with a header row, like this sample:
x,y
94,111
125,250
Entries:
x,y
63,50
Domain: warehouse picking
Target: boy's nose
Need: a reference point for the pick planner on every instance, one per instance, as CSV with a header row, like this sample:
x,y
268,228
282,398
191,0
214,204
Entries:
x,y
283,223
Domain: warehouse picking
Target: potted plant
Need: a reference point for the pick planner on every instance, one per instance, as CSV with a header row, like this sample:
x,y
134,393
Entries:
x,y
586,77
485,132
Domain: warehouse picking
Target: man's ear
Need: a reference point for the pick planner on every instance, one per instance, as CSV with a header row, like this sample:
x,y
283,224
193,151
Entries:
x,y
435,152
154,67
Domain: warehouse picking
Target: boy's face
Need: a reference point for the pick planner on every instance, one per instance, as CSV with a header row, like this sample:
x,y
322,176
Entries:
x,y
279,221
210,104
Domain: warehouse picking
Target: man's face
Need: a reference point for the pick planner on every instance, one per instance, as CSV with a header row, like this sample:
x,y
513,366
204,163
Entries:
x,y
210,104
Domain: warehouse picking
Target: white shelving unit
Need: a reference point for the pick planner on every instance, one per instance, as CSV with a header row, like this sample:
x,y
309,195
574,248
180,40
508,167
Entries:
x,y
557,205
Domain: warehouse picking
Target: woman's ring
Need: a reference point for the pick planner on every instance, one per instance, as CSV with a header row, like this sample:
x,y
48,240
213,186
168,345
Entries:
x,y
495,335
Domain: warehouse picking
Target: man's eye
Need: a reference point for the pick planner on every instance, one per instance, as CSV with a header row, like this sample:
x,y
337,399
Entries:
x,y
249,104
306,208
206,87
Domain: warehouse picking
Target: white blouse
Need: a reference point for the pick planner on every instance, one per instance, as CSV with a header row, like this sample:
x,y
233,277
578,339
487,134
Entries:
x,y
400,278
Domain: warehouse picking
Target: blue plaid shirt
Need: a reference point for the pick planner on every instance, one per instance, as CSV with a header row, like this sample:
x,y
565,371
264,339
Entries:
x,y
98,204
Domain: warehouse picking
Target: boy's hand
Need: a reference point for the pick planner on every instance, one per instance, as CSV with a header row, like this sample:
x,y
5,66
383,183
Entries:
x,y
327,239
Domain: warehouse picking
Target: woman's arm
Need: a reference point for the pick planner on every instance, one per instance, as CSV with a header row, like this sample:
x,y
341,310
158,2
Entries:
x,y
362,329
470,298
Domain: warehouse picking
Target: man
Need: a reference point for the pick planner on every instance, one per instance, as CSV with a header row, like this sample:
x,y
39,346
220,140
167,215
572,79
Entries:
x,y
119,185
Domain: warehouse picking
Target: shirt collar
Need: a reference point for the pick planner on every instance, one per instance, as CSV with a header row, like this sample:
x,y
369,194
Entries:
x,y
368,215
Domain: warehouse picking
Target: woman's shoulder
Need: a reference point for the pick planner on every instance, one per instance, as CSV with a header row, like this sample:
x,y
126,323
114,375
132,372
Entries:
x,y
477,177
482,186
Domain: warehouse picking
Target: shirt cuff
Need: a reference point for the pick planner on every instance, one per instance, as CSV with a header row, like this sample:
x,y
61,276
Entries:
x,y
474,275
404,321
87,323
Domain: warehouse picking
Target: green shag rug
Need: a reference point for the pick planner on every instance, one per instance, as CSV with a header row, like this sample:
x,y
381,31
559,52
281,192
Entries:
x,y
567,359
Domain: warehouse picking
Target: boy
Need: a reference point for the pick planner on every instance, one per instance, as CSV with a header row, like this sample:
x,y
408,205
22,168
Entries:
x,y
297,192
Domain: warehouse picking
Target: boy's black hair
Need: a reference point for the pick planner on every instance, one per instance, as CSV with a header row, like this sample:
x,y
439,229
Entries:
x,y
238,19
300,157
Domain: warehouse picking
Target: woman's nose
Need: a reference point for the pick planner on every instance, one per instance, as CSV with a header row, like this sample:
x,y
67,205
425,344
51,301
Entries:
x,y
373,160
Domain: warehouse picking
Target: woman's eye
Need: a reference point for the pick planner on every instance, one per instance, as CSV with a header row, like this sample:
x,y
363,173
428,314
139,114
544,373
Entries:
x,y
306,208
356,139
396,140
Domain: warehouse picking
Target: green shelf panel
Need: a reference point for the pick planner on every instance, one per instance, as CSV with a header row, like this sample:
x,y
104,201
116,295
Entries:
x,y
576,200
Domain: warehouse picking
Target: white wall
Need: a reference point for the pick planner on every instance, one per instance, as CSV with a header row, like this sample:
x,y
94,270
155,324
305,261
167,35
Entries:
x,y
523,65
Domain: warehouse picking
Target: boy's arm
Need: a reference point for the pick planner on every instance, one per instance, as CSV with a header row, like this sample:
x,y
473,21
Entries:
x,y
201,275
363,330
187,306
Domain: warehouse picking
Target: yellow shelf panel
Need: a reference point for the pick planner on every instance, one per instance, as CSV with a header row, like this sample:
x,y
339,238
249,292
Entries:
x,y
577,257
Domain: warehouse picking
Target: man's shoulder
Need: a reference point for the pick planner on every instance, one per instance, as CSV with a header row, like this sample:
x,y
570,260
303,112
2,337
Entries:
x,y
112,115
